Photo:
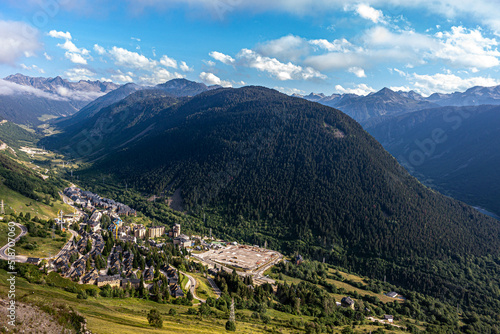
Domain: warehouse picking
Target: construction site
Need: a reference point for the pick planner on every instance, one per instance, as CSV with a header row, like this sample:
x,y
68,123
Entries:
x,y
241,257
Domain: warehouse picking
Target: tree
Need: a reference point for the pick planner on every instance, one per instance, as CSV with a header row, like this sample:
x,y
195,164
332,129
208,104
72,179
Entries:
x,y
231,326
189,295
154,318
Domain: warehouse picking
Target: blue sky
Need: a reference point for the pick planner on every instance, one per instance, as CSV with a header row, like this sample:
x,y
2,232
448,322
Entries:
x,y
300,46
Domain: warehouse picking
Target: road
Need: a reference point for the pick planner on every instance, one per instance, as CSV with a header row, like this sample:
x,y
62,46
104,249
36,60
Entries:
x,y
192,286
18,258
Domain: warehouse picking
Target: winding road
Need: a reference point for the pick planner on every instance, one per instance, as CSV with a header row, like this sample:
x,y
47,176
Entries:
x,y
18,258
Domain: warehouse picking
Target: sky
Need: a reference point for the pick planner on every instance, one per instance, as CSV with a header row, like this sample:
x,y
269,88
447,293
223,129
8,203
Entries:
x,y
295,46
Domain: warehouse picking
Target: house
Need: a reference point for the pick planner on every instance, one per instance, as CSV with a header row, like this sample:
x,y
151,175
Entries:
x,y
139,231
176,231
134,282
392,294
33,260
156,231
183,241
389,318
114,280
176,291
347,302
298,259
149,274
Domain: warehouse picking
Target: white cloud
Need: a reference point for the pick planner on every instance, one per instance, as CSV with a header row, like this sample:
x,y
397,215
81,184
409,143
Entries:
x,y
285,48
73,53
32,67
17,39
277,69
361,89
209,63
407,40
76,58
338,45
131,59
184,67
60,34
121,77
225,59
212,79
135,39
357,71
71,47
400,88
463,47
448,83
290,91
11,88
47,56
168,62
158,76
99,49
369,13
79,73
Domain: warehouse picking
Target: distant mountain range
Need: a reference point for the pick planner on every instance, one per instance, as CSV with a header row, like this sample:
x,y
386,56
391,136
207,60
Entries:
x,y
389,103
452,149
31,101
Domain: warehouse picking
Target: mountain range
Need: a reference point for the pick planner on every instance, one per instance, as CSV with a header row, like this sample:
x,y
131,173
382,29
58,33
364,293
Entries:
x,y
31,101
386,102
452,149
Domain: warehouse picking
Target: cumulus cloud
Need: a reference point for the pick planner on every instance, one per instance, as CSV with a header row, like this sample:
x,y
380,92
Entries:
x,y
361,89
17,39
79,73
369,13
289,91
225,59
468,48
99,49
184,67
277,69
32,67
168,62
131,59
338,45
73,53
427,84
212,79
357,71
121,77
287,48
158,76
60,34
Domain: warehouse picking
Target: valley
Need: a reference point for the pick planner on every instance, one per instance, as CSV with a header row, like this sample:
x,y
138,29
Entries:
x,y
257,174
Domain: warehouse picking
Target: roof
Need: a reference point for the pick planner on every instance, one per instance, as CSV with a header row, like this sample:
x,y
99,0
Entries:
x,y
392,294
108,278
32,260
347,300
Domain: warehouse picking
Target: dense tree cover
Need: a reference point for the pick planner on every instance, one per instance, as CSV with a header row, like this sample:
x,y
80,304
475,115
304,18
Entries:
x,y
15,136
19,178
454,149
265,167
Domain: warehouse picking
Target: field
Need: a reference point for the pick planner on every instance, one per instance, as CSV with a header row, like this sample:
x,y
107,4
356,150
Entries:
x,y
128,316
203,288
15,202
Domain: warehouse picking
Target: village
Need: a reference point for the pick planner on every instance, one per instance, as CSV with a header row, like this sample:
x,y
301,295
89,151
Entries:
x,y
88,259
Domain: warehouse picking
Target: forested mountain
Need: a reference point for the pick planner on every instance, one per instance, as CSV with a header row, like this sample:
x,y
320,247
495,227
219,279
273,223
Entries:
x,y
306,177
95,106
382,103
453,149
31,101
15,136
114,126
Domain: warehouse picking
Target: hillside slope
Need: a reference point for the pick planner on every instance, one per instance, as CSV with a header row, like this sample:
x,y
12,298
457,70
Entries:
x,y
454,149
